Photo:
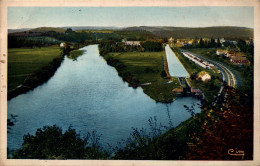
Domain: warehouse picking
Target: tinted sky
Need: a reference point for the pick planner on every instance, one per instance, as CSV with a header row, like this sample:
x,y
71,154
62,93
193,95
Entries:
x,y
31,17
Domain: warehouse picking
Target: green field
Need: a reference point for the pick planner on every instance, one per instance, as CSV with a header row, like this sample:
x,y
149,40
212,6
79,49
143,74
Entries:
x,y
146,67
23,62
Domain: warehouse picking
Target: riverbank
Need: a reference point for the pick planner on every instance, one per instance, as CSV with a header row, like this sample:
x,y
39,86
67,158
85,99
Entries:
x,y
144,69
41,65
36,79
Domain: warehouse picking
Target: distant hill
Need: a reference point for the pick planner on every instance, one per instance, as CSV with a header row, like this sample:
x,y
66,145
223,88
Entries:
x,y
159,31
204,32
77,28
46,29
59,29
18,30
33,32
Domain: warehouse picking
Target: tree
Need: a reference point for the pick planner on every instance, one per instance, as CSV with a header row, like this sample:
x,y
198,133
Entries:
x,y
163,74
201,44
212,43
152,46
218,43
241,44
69,30
51,143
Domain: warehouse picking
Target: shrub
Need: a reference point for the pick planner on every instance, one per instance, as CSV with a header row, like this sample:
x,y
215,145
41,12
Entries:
x,y
51,143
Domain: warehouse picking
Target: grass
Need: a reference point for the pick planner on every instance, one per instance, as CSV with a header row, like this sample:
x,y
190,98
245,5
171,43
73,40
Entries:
x,y
75,54
146,67
23,62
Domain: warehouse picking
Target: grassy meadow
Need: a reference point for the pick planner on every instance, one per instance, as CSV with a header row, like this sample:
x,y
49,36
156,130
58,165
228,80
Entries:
x,y
146,67
25,61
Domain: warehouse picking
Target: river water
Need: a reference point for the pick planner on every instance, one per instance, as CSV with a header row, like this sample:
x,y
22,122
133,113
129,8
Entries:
x,y
90,96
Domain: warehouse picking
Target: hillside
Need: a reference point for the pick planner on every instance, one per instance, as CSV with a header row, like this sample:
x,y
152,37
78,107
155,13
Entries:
x,y
205,32
77,28
161,32
46,29
18,30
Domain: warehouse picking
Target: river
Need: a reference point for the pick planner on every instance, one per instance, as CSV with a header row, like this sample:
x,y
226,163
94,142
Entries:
x,y
90,96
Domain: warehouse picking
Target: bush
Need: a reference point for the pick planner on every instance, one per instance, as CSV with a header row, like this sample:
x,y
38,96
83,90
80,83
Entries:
x,y
143,145
51,143
152,46
163,74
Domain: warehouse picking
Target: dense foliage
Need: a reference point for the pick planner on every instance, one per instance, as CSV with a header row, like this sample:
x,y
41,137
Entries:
x,y
51,143
230,33
143,147
112,46
152,46
30,42
224,130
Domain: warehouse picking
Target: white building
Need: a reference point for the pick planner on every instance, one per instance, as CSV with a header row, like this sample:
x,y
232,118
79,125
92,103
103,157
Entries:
x,y
221,52
221,40
204,76
62,45
132,43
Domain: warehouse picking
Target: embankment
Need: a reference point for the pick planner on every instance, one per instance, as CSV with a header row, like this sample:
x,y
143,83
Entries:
x,y
34,80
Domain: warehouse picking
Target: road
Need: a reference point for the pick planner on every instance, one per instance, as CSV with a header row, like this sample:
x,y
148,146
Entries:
x,y
230,77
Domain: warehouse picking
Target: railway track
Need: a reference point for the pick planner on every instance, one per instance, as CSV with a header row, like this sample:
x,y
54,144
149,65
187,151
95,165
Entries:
x,y
227,75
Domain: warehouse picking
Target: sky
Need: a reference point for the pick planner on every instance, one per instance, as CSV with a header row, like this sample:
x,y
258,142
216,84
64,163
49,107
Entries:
x,y
32,17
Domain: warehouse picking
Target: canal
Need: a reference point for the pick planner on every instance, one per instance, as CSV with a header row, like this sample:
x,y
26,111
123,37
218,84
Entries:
x,y
176,69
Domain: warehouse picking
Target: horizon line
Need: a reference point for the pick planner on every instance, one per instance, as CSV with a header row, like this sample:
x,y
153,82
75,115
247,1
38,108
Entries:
x,y
127,26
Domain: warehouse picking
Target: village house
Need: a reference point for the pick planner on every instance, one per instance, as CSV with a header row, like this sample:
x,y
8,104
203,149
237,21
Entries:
x,y
221,40
196,92
204,76
230,54
221,52
190,42
132,43
233,42
171,42
177,90
62,45
238,60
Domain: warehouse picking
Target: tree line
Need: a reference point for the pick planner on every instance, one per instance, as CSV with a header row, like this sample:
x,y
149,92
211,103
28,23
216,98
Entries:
x,y
112,46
